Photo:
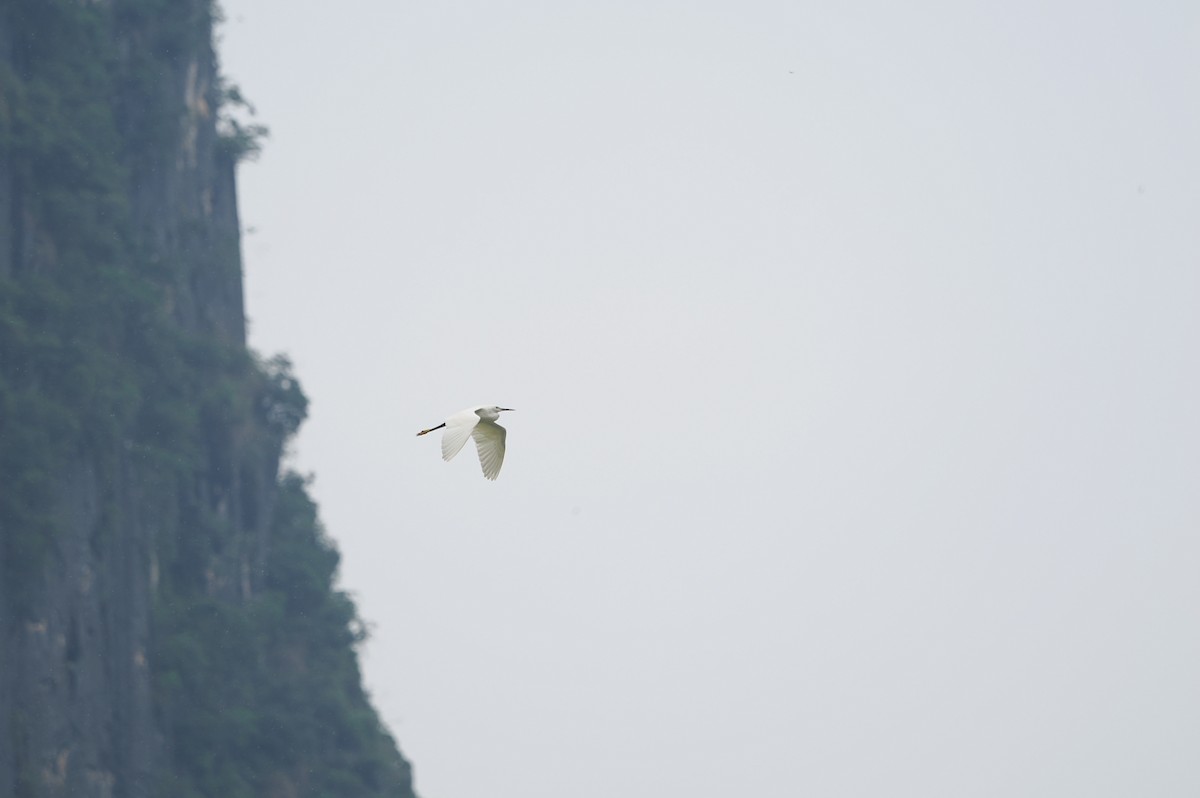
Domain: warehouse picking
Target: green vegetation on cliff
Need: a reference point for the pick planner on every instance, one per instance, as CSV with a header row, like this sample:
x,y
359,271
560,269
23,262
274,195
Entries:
x,y
271,692
111,364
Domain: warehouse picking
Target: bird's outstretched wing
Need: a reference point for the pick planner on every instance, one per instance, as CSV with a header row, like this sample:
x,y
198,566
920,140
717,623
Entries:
x,y
458,430
489,440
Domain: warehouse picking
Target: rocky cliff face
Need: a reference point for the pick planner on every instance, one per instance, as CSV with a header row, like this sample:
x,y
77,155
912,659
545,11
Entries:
x,y
167,620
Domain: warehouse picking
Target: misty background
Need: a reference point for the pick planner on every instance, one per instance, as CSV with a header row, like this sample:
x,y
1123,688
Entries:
x,y
854,357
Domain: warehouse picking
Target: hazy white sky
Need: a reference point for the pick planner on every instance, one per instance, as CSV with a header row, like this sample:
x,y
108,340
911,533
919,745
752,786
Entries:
x,y
854,349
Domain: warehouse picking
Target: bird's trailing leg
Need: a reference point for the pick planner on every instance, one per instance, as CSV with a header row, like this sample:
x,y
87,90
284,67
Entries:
x,y
431,429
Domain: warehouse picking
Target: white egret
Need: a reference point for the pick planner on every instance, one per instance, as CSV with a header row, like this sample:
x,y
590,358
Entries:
x,y
478,423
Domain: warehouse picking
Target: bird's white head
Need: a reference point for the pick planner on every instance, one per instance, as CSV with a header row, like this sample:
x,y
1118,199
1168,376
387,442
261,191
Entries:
x,y
491,413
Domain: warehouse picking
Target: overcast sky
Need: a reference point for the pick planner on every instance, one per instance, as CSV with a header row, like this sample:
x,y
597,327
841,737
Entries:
x,y
854,352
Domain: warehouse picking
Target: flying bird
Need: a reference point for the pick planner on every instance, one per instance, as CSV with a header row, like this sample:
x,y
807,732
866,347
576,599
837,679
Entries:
x,y
478,423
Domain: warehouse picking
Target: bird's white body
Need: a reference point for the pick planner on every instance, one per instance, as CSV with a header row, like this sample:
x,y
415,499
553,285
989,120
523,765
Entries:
x,y
478,423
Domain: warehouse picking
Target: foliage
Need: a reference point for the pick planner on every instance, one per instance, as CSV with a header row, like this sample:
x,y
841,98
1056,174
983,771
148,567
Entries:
x,y
238,138
91,360
65,387
258,691
269,689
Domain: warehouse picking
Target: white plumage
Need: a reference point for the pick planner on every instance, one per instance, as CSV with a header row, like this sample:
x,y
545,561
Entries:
x,y
478,423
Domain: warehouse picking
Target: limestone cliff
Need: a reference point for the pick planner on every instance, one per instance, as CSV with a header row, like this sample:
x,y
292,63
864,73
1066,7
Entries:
x,y
168,624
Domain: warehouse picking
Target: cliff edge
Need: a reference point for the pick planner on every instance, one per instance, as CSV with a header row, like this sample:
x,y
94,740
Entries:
x,y
168,622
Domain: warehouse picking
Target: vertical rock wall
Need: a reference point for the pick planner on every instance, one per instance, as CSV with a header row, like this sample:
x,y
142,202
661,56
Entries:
x,y
76,711
139,440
